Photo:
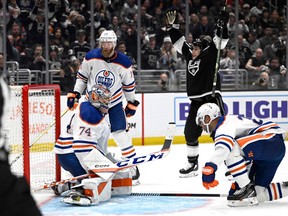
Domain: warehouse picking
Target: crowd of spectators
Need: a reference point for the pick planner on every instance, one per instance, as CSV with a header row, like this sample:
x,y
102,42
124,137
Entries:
x,y
261,29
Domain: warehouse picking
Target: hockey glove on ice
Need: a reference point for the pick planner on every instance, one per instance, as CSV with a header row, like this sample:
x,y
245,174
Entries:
x,y
72,99
208,175
131,107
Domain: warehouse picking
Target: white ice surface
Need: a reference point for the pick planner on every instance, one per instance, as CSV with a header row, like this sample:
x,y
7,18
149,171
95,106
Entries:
x,y
162,176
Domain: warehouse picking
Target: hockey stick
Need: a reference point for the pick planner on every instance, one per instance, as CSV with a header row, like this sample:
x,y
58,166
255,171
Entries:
x,y
101,169
180,194
217,59
39,137
99,164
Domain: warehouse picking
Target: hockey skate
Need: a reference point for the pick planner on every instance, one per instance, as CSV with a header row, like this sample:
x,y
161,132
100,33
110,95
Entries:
x,y
190,170
135,175
77,198
245,196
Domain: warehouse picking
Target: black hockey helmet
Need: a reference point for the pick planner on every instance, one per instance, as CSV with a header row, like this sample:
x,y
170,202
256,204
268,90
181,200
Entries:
x,y
197,42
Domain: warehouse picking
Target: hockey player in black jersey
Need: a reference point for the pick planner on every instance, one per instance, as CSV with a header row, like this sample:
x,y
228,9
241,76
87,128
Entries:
x,y
201,60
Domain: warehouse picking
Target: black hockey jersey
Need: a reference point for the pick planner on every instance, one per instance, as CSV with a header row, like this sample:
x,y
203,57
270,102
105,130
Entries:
x,y
200,71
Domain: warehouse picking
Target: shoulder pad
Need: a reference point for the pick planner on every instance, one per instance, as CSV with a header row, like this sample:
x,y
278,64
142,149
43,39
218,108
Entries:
x,y
89,113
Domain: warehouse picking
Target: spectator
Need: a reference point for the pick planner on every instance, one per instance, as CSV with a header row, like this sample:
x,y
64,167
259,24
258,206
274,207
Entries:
x,y
150,53
261,83
242,28
194,23
276,48
54,58
252,41
205,28
58,39
163,83
229,62
68,76
266,39
131,39
244,51
168,55
244,13
114,25
80,47
264,18
275,22
277,74
129,9
121,47
255,65
38,61
254,25
258,8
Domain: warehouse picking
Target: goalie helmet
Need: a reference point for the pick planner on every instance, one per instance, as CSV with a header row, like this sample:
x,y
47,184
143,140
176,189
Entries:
x,y
100,97
108,36
210,109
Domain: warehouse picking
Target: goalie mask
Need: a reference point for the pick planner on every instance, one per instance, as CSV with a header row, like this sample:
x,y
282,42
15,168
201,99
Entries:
x,y
207,109
100,97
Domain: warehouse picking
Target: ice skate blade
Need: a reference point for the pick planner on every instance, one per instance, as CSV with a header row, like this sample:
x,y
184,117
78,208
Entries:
x,y
251,201
188,175
135,182
81,202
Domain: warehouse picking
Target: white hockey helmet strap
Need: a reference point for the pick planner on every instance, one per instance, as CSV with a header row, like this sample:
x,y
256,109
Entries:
x,y
210,109
108,36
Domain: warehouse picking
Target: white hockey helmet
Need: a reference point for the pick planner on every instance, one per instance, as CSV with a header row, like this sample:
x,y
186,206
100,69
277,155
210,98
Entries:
x,y
100,97
108,36
210,109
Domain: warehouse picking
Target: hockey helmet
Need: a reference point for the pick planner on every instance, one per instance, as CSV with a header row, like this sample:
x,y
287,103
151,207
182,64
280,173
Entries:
x,y
197,42
210,109
100,97
108,36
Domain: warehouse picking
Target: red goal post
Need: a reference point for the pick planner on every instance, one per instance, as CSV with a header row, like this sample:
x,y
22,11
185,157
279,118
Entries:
x,y
34,125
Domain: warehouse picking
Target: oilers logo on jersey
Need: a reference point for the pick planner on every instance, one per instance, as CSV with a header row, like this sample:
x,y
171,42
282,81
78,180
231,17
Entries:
x,y
105,77
193,66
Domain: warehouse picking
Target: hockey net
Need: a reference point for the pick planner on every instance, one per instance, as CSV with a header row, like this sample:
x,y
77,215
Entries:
x,y
34,125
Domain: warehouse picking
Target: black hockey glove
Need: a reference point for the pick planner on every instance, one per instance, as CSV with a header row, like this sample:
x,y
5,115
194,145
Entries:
x,y
131,108
72,99
171,16
224,16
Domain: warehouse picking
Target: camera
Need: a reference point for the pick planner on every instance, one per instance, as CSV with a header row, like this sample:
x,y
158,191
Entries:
x,y
262,80
163,82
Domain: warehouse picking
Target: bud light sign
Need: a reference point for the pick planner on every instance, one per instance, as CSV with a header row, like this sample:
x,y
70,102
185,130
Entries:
x,y
263,105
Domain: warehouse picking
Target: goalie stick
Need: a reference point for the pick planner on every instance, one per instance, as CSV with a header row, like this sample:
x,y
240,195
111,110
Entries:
x,y
180,194
99,164
112,168
39,137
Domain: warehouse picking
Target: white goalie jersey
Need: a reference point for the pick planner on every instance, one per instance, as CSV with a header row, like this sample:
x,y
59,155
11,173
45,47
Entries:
x,y
116,73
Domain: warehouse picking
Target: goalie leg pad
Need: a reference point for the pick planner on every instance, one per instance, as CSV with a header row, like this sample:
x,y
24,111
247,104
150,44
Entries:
x,y
122,183
97,188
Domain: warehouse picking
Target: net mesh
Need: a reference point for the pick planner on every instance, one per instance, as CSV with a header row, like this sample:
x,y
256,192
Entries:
x,y
41,129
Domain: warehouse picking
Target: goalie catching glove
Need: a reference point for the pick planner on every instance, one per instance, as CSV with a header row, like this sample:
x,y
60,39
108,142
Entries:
x,y
73,99
208,176
131,108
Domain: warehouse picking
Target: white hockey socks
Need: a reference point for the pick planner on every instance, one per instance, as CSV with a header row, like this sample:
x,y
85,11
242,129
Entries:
x,y
124,142
273,192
